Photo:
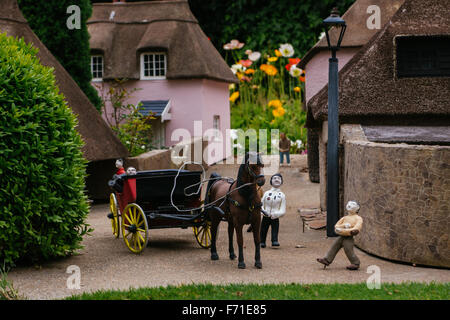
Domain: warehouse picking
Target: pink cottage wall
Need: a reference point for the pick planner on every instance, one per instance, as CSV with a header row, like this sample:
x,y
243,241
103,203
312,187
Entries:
x,y
191,100
317,69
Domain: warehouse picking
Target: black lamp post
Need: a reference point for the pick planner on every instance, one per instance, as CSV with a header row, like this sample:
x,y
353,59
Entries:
x,y
334,20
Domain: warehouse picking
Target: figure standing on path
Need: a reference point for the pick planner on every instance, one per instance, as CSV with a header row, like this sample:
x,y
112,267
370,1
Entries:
x,y
274,204
347,227
284,147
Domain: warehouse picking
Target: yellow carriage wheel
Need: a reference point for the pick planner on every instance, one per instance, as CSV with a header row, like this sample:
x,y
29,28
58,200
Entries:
x,y
134,228
203,234
115,223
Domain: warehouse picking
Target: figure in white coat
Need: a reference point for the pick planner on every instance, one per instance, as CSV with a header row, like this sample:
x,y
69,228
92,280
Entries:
x,y
274,204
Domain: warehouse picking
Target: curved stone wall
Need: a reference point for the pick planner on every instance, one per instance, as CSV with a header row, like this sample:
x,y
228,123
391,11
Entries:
x,y
404,193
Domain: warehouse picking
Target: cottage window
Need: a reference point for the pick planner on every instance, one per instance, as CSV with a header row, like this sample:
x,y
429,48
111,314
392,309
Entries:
x,y
419,56
97,67
216,126
153,66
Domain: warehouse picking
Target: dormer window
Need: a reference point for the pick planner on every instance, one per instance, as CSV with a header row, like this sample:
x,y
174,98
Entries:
x,y
97,67
153,65
423,56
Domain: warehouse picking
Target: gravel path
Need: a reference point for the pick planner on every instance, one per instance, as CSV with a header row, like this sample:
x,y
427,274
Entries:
x,y
173,256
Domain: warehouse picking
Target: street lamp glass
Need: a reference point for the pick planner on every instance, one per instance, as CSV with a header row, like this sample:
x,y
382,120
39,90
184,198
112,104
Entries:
x,y
335,21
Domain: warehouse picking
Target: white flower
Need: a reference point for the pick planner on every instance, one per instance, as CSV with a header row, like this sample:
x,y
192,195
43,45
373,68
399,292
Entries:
x,y
142,147
128,142
232,86
287,50
236,67
254,56
248,52
295,72
298,143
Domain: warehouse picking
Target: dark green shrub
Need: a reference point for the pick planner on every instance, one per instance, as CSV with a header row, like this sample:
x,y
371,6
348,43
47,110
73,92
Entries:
x,y
71,47
42,171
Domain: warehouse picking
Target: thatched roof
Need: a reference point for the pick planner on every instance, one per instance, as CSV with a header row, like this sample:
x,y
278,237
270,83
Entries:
x,y
121,31
368,87
357,33
100,142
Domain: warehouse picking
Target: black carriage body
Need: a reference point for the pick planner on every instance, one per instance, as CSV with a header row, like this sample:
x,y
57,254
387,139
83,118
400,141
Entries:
x,y
153,194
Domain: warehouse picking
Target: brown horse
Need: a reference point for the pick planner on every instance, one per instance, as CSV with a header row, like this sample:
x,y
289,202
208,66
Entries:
x,y
237,202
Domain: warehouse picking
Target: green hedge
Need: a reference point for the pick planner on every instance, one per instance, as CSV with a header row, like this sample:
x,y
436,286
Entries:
x,y
42,170
71,47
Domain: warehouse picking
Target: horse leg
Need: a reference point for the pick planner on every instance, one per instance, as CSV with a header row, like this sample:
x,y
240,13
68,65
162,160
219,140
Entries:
x,y
256,225
230,239
240,241
214,229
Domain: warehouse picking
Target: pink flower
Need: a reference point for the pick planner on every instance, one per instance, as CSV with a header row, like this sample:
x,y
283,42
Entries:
x,y
234,44
246,63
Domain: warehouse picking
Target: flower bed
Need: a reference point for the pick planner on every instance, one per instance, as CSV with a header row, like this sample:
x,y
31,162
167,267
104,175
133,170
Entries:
x,y
269,93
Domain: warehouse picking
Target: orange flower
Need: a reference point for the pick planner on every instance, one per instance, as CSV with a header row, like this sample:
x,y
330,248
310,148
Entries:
x,y
268,69
250,71
275,104
272,59
278,53
302,77
278,112
297,89
234,96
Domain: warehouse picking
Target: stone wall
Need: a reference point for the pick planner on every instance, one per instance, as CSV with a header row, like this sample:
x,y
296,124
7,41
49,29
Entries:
x,y
404,193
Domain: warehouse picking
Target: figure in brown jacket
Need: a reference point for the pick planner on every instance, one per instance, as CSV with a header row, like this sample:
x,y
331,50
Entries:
x,y
347,227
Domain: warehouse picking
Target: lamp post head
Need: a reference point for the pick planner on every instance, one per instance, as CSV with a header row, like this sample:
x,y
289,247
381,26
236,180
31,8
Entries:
x,y
334,20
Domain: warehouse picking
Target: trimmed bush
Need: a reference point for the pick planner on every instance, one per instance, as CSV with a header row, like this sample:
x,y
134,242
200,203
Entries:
x,y
42,170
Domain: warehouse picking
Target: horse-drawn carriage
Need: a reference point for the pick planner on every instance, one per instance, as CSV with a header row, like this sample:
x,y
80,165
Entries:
x,y
154,200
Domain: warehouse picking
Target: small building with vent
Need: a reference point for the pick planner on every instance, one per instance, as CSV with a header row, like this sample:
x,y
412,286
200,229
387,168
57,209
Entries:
x,y
394,113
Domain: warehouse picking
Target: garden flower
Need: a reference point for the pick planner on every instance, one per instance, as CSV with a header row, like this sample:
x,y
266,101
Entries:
x,y
278,112
248,52
233,45
254,56
295,72
268,69
287,50
275,103
297,89
245,63
302,77
232,86
292,62
250,71
272,59
236,68
234,96
278,53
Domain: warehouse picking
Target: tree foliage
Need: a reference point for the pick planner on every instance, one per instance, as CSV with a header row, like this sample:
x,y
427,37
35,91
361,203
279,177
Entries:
x,y
42,170
265,23
71,47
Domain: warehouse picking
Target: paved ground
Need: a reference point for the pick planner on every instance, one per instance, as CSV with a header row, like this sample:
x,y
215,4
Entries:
x,y
173,256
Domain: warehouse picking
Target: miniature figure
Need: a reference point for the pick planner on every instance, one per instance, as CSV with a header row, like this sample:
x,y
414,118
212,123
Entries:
x,y
274,205
131,171
284,147
347,227
119,166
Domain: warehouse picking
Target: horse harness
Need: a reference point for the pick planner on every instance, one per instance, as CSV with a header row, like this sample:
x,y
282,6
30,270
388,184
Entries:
x,y
237,204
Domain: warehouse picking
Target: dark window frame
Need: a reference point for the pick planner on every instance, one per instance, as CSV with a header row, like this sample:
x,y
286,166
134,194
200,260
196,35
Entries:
x,y
422,56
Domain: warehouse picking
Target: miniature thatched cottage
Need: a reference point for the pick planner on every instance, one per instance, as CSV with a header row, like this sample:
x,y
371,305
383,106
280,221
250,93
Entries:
x,y
395,135
101,144
159,48
364,19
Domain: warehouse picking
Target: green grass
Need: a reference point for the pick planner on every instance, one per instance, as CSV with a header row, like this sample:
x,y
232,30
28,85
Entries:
x,y
404,291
